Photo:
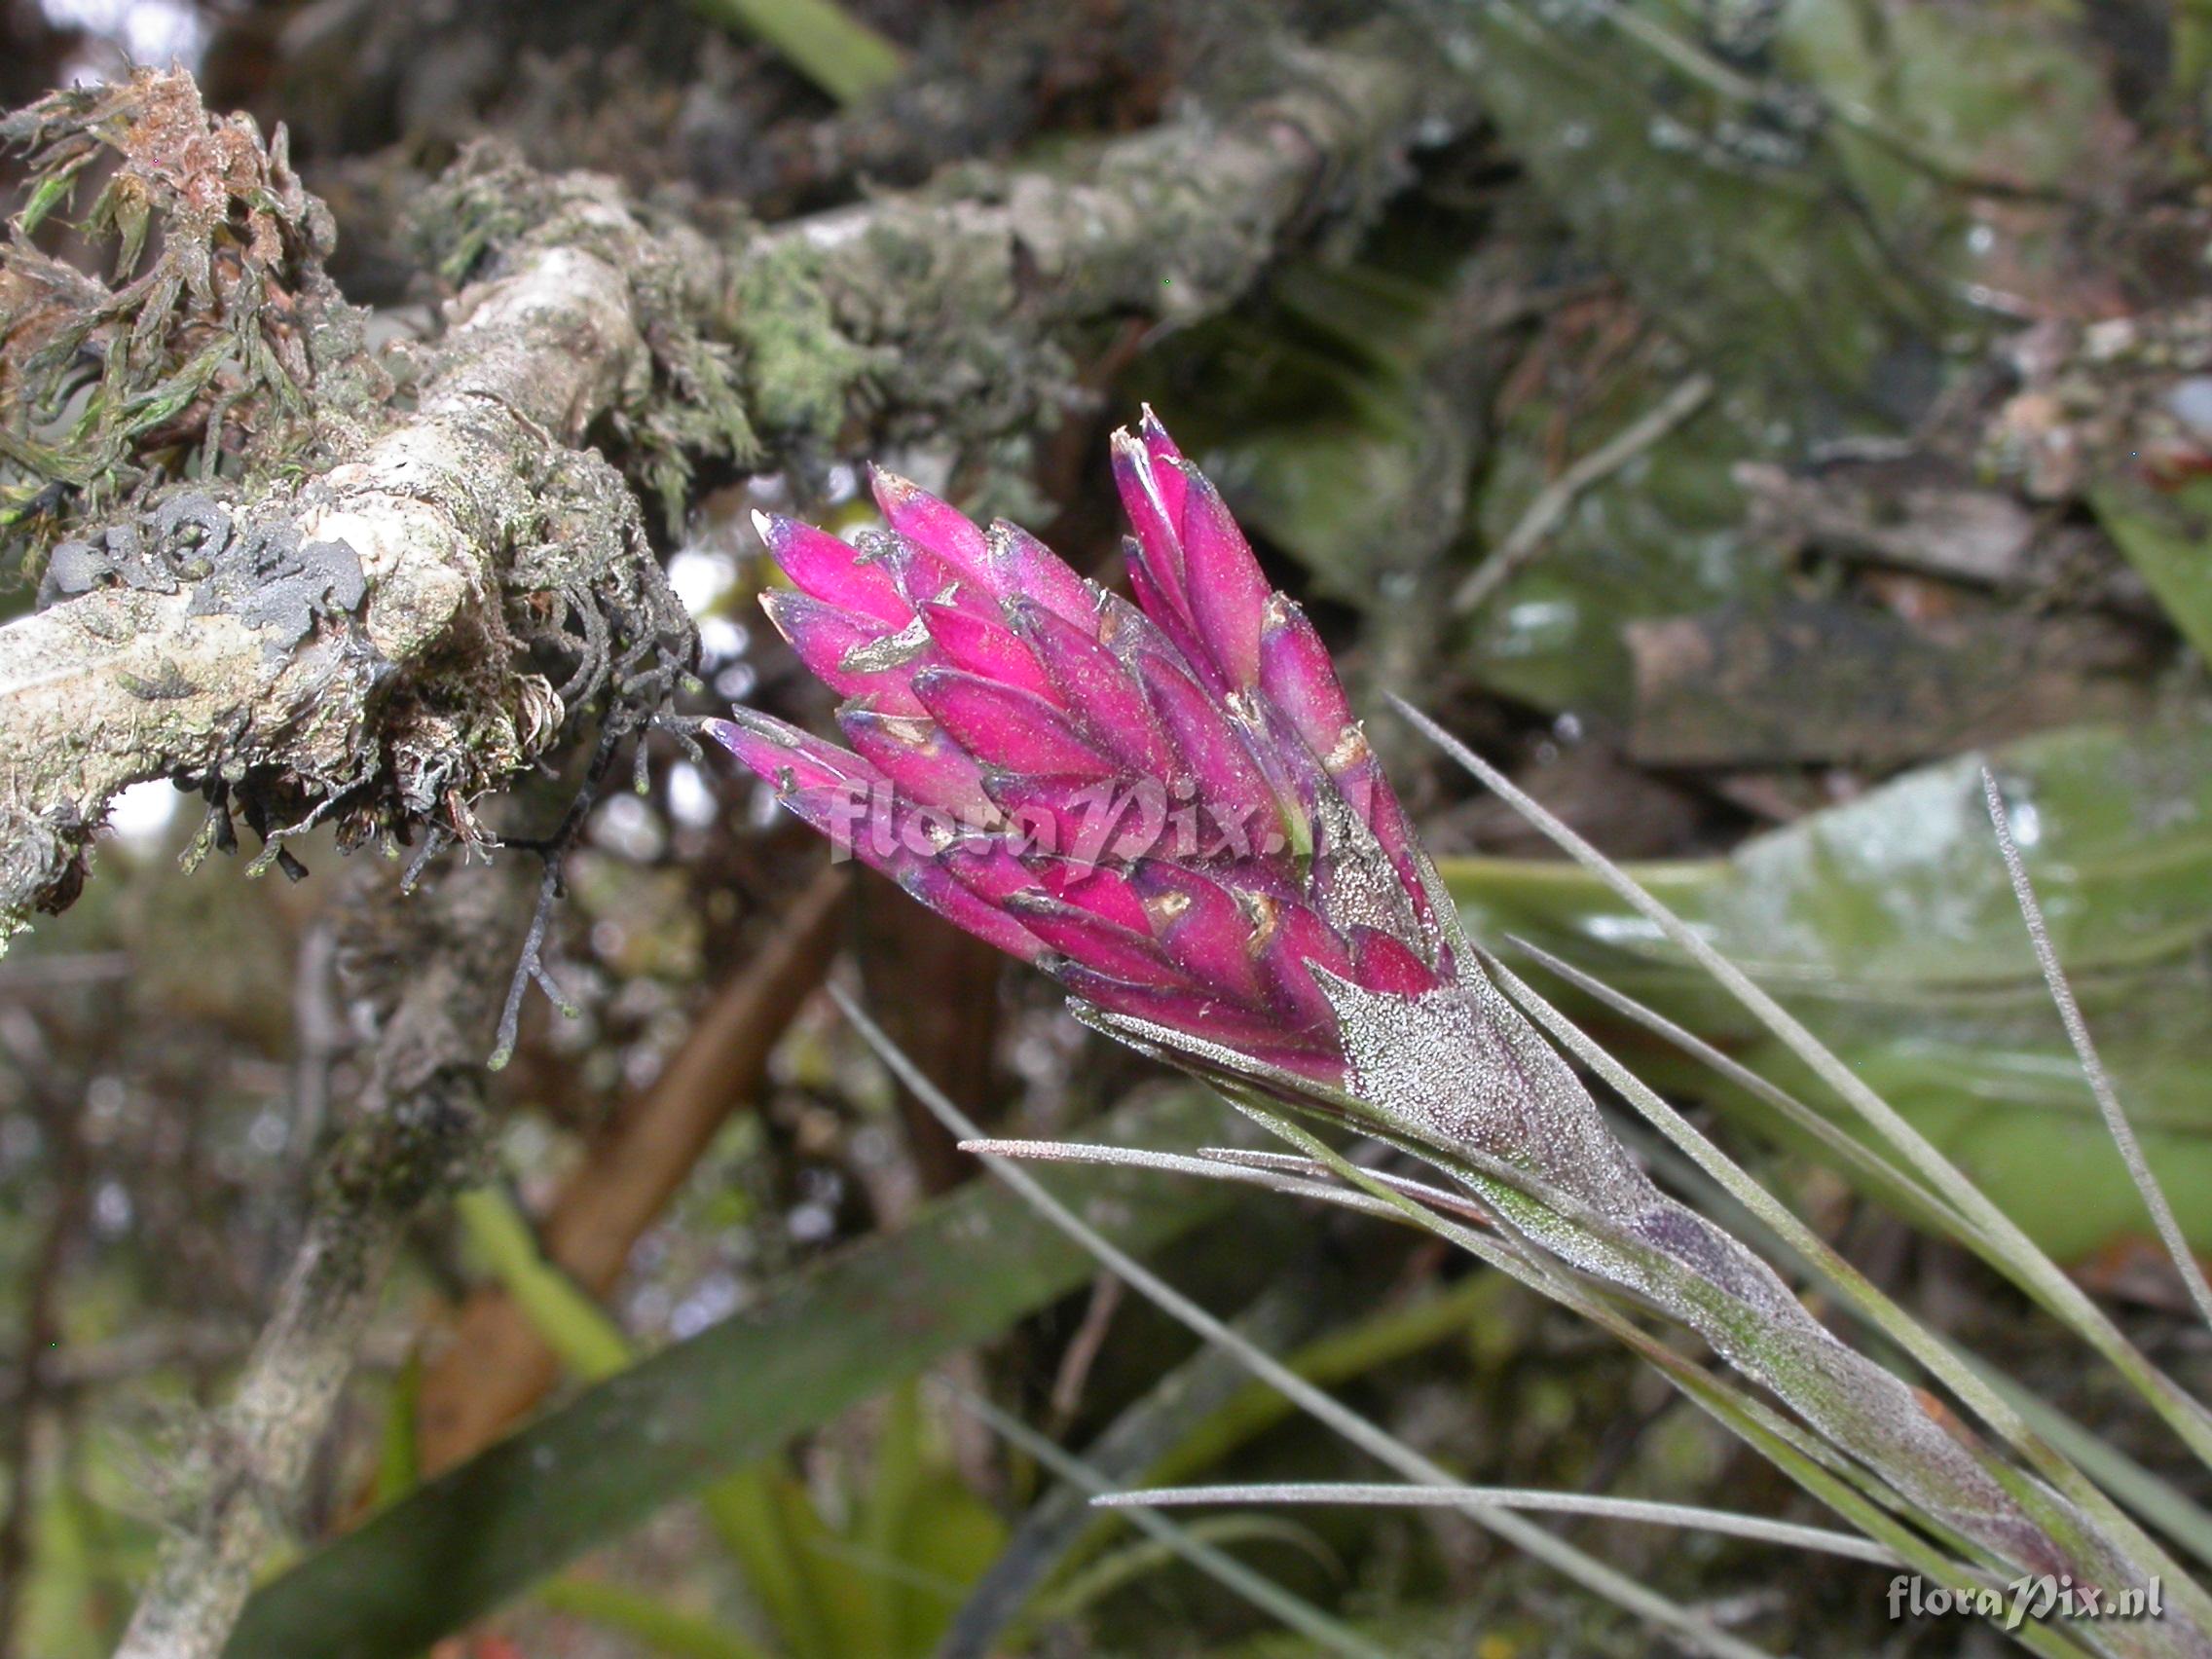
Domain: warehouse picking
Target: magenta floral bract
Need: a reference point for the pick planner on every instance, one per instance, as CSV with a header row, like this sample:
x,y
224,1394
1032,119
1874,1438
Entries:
x,y
1170,807
1167,805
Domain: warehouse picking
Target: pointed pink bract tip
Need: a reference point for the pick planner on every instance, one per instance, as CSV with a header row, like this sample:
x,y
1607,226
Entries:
x,y
1007,728
1025,566
936,525
1130,793
1229,593
919,757
784,756
1155,431
826,568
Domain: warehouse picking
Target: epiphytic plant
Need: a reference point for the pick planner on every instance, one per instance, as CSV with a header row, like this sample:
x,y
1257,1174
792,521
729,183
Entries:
x,y
1168,806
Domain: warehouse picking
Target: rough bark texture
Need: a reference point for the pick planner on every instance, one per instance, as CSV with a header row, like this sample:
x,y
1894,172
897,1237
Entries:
x,y
938,310
126,683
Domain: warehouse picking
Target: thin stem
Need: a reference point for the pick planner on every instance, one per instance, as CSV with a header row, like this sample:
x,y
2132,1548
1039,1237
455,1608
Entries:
x,y
1722,1523
2092,1064
1591,1573
1527,537
1215,1168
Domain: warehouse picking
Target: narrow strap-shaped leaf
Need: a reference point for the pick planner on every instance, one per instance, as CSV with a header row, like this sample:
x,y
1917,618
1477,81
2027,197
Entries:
x,y
836,1334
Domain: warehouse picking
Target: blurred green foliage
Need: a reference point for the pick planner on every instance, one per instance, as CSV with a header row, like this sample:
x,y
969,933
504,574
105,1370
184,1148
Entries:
x,y
1889,926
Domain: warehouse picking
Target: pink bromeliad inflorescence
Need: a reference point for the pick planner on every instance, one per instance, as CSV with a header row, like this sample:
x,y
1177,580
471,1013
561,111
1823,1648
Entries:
x,y
1166,805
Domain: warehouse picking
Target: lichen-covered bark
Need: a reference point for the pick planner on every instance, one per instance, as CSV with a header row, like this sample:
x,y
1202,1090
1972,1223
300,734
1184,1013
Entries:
x,y
943,308
414,702
957,300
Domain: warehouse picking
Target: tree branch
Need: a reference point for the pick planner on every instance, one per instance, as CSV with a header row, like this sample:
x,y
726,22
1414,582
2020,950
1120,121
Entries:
x,y
128,683
939,312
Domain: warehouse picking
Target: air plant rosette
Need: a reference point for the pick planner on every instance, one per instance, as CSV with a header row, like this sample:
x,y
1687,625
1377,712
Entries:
x,y
1168,806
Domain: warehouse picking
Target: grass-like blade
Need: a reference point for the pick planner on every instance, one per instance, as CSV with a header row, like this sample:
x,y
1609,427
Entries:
x,y
964,1269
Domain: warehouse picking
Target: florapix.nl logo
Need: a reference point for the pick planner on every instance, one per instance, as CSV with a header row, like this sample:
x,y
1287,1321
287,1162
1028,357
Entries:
x,y
2032,1595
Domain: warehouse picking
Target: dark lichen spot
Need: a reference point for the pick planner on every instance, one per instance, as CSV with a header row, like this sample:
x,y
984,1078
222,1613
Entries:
x,y
262,574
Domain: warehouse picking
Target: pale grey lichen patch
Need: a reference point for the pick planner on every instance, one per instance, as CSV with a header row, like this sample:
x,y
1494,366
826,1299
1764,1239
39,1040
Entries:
x,y
892,650
365,648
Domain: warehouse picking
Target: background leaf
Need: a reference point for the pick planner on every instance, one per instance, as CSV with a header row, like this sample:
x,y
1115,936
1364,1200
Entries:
x,y
1887,925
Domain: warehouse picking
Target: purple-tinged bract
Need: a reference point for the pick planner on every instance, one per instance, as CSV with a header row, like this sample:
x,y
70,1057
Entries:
x,y
1167,805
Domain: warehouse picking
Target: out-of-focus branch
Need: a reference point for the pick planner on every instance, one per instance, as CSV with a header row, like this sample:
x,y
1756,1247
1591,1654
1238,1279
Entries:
x,y
433,966
496,1366
938,312
72,1371
56,1108
961,293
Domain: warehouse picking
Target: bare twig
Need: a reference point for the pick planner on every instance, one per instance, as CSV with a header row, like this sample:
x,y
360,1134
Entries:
x,y
434,975
1106,1293
496,1365
552,854
318,1035
898,297
1527,537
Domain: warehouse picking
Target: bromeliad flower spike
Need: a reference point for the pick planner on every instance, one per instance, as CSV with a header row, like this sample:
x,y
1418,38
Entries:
x,y
1170,807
